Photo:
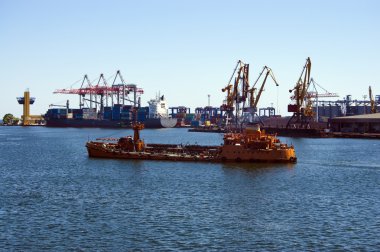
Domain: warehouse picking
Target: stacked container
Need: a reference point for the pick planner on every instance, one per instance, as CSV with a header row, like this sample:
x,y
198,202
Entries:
x,y
77,113
126,113
57,113
142,114
194,124
89,113
107,113
188,118
116,112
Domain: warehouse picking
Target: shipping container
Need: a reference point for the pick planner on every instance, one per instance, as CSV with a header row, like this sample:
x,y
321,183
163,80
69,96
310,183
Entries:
x,y
194,124
107,115
77,111
191,115
88,110
116,116
143,109
180,115
117,109
125,118
141,119
187,122
142,113
57,111
125,115
126,108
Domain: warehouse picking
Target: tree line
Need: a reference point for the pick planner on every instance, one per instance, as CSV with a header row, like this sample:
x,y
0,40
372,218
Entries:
x,y
9,119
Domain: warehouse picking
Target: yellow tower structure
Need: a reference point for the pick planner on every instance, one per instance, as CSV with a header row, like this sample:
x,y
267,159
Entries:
x,y
26,110
28,119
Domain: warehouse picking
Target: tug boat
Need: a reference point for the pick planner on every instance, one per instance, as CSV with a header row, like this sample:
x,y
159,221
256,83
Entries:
x,y
251,145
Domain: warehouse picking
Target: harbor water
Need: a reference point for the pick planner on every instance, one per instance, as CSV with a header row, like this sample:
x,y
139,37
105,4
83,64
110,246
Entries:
x,y
54,197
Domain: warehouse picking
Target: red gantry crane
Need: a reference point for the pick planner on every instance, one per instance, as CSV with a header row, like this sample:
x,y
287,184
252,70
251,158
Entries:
x,y
118,93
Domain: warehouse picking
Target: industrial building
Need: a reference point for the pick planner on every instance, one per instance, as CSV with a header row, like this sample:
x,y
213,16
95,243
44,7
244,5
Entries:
x,y
369,123
346,107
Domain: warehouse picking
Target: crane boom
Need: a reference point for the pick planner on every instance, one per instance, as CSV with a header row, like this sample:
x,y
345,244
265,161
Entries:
x,y
101,77
229,97
301,86
254,100
118,73
233,89
236,86
85,79
300,93
233,73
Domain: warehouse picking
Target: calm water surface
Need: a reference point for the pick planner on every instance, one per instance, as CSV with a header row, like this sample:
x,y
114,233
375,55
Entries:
x,y
53,197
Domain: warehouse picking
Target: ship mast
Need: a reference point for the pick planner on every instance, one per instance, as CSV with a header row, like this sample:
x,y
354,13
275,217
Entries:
x,y
137,126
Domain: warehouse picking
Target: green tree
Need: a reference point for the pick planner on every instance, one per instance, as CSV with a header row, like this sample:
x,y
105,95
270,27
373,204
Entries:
x,y
10,119
16,120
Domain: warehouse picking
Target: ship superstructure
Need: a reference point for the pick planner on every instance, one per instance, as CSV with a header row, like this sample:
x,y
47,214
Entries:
x,y
158,107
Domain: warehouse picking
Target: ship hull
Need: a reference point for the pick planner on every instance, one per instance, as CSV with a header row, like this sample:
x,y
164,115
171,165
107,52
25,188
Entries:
x,y
85,123
241,154
218,154
151,123
160,123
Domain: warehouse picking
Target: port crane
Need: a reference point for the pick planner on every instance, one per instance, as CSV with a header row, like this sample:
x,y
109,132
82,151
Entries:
x,y
372,101
253,97
301,116
123,89
105,94
237,93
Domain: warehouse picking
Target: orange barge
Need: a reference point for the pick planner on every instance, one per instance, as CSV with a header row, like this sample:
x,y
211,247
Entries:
x,y
252,145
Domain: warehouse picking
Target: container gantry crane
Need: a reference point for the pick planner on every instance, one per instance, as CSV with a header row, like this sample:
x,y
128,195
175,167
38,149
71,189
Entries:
x,y
123,90
117,92
299,117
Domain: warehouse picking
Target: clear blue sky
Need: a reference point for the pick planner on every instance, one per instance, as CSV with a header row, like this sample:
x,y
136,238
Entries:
x,y
185,49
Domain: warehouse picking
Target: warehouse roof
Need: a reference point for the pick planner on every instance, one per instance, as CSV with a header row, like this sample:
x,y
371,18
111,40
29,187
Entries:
x,y
358,118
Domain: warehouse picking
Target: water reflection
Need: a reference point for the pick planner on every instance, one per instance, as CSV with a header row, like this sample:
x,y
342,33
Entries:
x,y
258,166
